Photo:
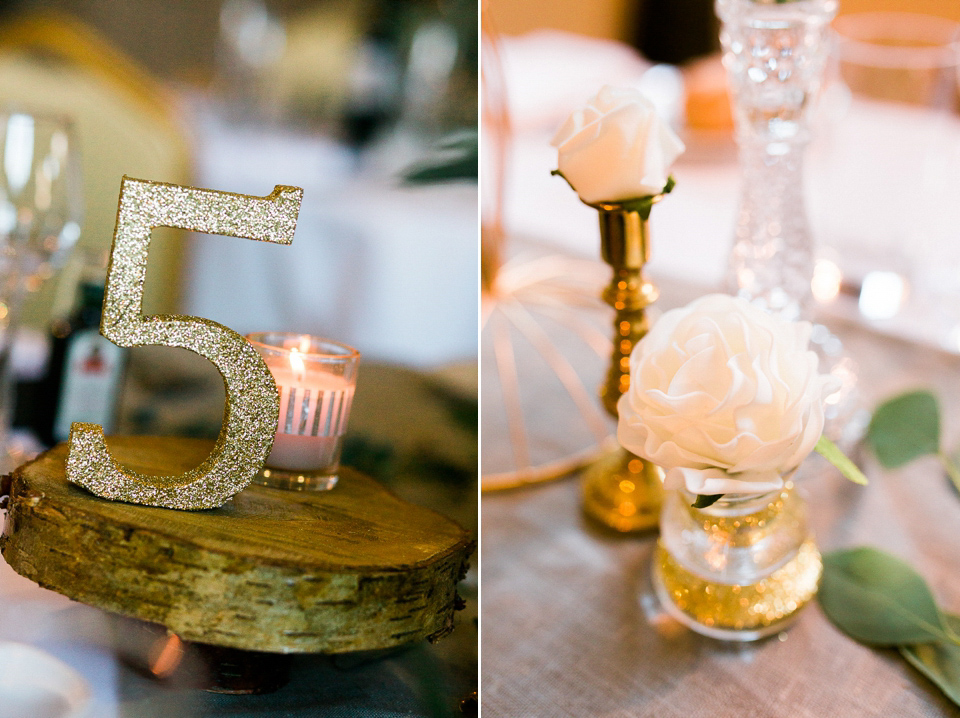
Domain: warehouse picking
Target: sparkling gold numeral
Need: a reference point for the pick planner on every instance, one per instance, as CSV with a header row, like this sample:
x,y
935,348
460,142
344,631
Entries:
x,y
252,403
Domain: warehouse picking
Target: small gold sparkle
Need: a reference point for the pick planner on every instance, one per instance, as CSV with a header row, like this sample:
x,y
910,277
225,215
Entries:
x,y
739,607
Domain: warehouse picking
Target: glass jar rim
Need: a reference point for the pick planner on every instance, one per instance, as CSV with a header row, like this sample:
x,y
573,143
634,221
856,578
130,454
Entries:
x,y
732,503
332,350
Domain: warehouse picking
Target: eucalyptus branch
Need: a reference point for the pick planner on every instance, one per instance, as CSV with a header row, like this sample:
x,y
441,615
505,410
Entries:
x,y
950,466
832,453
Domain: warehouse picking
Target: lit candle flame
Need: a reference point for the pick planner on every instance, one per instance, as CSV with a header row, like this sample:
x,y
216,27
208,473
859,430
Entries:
x,y
304,344
296,364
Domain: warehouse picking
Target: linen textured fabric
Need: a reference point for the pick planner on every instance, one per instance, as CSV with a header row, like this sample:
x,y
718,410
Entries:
x,y
571,628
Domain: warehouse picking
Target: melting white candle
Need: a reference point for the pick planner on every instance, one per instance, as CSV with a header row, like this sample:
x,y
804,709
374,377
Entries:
x,y
314,409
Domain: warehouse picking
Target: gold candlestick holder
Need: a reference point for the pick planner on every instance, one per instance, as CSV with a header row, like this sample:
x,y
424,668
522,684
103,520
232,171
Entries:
x,y
620,489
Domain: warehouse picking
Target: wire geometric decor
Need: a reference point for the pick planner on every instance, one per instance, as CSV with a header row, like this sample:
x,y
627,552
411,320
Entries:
x,y
545,344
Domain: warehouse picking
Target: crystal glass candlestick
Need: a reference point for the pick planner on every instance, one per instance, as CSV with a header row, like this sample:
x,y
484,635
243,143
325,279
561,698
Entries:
x,y
316,378
775,54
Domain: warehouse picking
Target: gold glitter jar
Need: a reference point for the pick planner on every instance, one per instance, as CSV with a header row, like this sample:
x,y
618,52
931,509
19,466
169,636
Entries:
x,y
740,569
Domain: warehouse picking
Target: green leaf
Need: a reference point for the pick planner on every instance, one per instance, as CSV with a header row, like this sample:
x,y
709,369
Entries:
x,y
940,662
455,156
905,428
831,452
642,205
558,173
446,170
705,500
878,599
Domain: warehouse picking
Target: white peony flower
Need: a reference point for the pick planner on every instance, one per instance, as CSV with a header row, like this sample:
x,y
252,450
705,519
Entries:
x,y
725,397
616,148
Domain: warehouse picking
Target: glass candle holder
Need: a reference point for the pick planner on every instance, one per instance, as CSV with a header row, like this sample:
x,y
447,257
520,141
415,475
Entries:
x,y
740,569
316,378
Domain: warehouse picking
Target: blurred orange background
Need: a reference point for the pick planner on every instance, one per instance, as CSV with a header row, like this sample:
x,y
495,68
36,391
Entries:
x,y
614,18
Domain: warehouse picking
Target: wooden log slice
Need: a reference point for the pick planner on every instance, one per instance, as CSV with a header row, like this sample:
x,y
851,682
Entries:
x,y
350,569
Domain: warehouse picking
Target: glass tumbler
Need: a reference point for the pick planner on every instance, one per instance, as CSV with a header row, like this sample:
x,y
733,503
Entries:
x,y
885,167
316,378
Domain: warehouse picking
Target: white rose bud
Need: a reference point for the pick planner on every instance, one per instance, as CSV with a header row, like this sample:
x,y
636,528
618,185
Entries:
x,y
616,148
725,397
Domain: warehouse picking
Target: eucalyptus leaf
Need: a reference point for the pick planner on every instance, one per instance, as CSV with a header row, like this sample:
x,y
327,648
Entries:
x,y
905,428
831,452
705,500
952,468
878,599
447,169
455,156
940,662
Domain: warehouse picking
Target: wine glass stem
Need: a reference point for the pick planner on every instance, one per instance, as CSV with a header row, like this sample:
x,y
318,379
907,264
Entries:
x,y
15,299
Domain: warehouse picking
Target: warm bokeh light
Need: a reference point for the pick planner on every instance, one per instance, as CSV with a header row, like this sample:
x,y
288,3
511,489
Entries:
x,y
882,295
826,282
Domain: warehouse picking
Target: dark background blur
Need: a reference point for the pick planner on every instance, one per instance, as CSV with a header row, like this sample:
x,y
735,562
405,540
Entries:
x,y
177,39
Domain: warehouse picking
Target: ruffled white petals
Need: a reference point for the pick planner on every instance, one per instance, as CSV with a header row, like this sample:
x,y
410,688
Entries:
x,y
715,481
725,397
616,147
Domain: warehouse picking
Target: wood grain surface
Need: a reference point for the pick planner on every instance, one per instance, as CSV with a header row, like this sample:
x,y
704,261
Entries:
x,y
355,568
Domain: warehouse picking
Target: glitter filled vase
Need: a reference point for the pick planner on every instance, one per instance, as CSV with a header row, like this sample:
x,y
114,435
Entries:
x,y
740,569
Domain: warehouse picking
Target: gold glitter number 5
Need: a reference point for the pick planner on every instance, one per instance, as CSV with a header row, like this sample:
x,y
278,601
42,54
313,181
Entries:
x,y
252,403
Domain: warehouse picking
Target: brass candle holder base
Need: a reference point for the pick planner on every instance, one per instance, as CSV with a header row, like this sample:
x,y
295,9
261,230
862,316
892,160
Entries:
x,y
623,492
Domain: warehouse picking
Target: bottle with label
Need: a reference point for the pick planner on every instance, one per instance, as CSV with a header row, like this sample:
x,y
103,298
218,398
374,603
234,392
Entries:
x,y
85,373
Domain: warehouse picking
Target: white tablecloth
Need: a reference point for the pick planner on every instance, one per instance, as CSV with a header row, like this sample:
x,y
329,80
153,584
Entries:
x,y
390,269
882,184
572,629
